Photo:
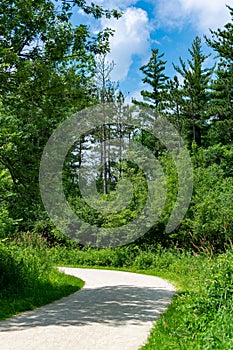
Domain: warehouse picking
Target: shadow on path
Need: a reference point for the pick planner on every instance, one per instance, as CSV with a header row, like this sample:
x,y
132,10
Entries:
x,y
110,305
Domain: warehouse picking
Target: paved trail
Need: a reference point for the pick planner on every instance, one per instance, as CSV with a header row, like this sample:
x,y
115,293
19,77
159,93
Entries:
x,y
114,311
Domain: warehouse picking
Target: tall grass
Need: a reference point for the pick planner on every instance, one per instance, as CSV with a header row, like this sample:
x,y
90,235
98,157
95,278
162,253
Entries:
x,y
28,278
200,317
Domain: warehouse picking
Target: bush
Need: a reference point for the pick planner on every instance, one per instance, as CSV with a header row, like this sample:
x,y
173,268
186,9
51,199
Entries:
x,y
6,223
51,234
212,221
208,225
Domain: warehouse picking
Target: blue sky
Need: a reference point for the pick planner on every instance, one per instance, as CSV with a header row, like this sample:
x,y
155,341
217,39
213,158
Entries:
x,y
169,25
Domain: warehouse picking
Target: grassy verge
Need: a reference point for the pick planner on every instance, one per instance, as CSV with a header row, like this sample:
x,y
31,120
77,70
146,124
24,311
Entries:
x,y
200,316
28,280
57,286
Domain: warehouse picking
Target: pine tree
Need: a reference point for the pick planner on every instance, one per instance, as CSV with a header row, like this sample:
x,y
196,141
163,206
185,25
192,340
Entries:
x,y
155,79
173,104
222,86
195,92
222,41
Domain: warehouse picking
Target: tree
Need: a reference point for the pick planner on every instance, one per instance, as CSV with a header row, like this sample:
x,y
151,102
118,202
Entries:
x,y
173,104
156,79
153,98
222,40
195,92
103,70
46,70
222,86
221,125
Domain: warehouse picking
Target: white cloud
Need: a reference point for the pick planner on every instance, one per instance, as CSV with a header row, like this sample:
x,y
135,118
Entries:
x,y
202,14
131,37
117,4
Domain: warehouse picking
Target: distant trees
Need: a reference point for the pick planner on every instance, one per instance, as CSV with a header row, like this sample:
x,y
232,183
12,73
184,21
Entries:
x,y
103,70
173,104
186,105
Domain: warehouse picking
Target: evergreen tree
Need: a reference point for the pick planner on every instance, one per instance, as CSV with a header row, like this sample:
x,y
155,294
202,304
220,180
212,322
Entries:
x,y
222,86
173,104
222,41
195,92
155,79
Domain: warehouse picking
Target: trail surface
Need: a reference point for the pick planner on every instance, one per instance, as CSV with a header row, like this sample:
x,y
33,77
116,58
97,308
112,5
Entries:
x,y
114,311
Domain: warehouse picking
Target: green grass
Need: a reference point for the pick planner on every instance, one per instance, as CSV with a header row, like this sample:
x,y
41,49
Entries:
x,y
27,277
200,316
56,286
183,327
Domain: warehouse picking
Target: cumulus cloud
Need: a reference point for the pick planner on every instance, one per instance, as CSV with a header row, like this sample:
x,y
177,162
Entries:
x,y
202,14
131,37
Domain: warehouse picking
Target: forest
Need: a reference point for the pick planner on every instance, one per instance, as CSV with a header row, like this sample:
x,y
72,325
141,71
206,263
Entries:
x,y
51,70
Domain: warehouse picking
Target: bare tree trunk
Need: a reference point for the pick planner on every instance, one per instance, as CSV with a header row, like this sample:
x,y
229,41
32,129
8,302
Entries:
x,y
103,71
104,153
109,151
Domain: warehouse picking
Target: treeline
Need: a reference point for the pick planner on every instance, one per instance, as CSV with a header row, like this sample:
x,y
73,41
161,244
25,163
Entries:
x,y
50,69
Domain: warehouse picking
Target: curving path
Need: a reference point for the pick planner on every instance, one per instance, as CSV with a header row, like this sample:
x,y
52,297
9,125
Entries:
x,y
114,311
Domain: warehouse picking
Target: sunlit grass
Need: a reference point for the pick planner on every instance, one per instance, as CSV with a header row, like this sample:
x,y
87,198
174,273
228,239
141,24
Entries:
x,y
56,286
